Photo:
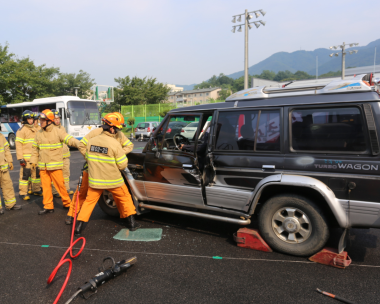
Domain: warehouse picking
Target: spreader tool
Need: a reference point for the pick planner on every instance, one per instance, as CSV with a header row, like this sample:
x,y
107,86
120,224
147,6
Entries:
x,y
105,275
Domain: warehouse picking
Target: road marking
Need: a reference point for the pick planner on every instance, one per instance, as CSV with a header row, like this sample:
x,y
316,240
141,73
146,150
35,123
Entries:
x,y
184,255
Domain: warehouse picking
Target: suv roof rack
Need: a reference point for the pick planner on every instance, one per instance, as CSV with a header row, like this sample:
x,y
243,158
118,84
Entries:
x,y
359,83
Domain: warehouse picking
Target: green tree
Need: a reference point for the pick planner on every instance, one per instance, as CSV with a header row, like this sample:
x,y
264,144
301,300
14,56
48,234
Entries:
x,y
266,74
66,82
223,94
136,91
22,80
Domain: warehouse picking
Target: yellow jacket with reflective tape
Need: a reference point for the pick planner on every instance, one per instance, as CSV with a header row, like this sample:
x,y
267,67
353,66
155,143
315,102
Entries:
x,y
24,141
5,154
105,159
125,143
48,147
66,149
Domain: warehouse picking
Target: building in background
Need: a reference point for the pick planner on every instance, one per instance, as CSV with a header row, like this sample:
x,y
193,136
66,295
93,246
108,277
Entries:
x,y
193,97
174,89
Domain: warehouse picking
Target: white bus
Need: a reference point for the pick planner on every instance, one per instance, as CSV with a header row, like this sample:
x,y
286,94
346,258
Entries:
x,y
79,116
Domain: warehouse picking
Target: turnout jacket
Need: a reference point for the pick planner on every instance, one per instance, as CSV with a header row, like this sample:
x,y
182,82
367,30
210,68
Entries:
x,y
48,147
66,149
5,154
125,143
105,158
24,141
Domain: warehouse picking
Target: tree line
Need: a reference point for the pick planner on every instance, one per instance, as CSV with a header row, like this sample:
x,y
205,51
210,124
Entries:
x,y
230,85
22,80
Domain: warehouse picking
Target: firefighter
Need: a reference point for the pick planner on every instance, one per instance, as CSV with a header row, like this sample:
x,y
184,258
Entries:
x,y
47,152
66,157
6,184
36,118
125,143
24,141
105,158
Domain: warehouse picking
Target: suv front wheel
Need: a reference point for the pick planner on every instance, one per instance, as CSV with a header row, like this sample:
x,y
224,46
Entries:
x,y
293,224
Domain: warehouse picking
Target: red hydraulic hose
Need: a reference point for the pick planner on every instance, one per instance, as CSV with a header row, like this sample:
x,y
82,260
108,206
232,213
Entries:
x,y
70,249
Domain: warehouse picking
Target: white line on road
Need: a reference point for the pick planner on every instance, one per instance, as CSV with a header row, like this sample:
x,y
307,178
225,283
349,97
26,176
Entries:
x,y
184,255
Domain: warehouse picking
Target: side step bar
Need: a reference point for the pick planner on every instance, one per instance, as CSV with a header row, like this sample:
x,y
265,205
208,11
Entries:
x,y
197,214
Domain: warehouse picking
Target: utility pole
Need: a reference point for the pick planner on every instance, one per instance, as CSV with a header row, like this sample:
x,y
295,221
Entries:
x,y
247,26
343,47
316,69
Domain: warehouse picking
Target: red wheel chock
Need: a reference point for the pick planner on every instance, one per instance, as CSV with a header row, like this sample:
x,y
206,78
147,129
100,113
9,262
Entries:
x,y
250,238
331,257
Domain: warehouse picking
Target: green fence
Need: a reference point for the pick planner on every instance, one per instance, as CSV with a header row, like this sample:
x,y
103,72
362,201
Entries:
x,y
143,113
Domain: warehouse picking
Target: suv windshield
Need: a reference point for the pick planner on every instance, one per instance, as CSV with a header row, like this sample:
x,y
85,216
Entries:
x,y
83,113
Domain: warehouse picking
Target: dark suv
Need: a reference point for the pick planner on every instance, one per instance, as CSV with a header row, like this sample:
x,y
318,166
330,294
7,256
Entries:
x,y
305,159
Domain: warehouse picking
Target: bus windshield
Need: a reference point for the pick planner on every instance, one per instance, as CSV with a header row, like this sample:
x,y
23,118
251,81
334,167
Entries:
x,y
83,113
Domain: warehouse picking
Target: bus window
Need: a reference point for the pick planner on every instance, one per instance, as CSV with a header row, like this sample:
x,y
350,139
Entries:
x,y
4,115
83,113
15,114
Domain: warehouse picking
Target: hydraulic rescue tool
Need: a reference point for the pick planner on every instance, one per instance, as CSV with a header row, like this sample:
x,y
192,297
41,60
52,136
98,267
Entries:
x,y
103,276
70,249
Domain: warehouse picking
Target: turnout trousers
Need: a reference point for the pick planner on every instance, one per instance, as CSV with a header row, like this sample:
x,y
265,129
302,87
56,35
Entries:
x,y
121,196
55,176
82,195
28,179
7,189
66,174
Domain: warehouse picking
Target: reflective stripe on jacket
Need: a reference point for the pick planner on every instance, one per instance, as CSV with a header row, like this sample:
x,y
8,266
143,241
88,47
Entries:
x,y
48,147
105,158
66,149
24,141
5,153
125,143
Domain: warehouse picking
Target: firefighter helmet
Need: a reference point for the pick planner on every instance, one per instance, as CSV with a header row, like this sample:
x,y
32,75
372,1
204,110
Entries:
x,y
121,118
36,116
113,120
26,115
56,113
47,114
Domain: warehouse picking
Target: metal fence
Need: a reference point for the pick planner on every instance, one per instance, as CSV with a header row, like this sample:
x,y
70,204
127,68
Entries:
x,y
151,112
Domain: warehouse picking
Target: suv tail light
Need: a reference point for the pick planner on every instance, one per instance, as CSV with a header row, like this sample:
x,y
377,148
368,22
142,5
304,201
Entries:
x,y
169,130
182,130
148,129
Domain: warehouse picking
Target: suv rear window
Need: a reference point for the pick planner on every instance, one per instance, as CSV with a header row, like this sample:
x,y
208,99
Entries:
x,y
236,130
143,125
329,129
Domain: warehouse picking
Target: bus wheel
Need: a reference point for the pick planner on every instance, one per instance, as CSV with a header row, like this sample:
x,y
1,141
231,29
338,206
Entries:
x,y
12,141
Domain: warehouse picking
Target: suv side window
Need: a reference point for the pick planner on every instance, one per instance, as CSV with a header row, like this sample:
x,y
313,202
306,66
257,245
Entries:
x,y
236,130
329,129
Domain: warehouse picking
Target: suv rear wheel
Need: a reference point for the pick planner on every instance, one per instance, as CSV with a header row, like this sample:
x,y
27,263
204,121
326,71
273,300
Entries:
x,y
107,204
293,224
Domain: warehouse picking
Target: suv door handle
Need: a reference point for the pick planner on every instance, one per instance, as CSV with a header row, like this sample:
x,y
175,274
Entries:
x,y
266,167
187,166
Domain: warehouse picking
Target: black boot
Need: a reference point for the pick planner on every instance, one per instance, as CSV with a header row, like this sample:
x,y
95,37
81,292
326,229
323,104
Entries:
x,y
38,193
132,225
1,210
79,228
15,207
69,220
45,211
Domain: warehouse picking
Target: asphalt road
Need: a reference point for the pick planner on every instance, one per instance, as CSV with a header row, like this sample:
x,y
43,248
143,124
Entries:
x,y
179,268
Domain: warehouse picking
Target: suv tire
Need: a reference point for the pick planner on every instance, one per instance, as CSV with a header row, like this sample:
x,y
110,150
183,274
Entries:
x,y
108,208
293,224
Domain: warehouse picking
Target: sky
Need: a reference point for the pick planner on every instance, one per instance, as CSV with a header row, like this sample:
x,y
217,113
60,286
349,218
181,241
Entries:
x,y
174,41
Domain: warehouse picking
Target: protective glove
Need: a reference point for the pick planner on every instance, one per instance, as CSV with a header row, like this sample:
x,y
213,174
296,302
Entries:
x,y
10,166
22,162
33,166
